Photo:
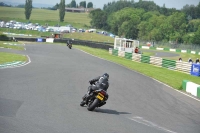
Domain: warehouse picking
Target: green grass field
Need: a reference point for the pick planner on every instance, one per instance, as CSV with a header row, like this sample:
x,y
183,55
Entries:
x,y
90,36
43,16
9,57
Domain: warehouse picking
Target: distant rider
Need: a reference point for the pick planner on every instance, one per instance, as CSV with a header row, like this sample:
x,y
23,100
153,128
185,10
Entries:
x,y
69,42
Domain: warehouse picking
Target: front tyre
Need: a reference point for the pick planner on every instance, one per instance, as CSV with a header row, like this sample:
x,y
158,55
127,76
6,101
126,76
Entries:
x,y
92,106
82,103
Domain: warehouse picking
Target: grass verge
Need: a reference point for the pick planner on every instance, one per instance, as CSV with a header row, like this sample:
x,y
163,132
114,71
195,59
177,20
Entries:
x,y
169,77
9,57
12,45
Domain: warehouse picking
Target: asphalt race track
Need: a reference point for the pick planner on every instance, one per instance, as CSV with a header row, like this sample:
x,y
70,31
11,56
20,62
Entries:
x,y
161,53
44,97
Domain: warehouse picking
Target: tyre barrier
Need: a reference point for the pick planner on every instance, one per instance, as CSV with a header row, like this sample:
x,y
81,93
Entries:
x,y
157,61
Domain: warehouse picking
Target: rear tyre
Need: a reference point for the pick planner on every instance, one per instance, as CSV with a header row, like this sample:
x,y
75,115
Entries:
x,y
93,105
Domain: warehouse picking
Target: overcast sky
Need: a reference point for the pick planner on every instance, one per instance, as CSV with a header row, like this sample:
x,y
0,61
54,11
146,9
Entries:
x,y
178,4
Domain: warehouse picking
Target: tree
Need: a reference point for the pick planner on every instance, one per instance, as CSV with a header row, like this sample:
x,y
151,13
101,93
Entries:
x,y
178,22
73,3
3,4
112,7
196,37
62,10
28,8
68,5
146,5
193,25
90,5
124,22
56,6
83,4
21,6
98,18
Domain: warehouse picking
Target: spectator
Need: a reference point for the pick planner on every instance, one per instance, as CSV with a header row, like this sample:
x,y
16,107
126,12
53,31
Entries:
x,y
136,50
190,60
197,60
180,59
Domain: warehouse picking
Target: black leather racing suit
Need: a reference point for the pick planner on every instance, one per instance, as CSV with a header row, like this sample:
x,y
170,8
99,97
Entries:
x,y
69,42
98,83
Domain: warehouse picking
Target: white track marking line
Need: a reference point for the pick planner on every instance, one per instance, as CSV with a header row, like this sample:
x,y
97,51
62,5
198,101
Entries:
x,y
178,91
150,124
29,61
145,75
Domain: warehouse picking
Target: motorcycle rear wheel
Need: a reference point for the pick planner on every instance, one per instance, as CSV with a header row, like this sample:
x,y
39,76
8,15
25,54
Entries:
x,y
93,105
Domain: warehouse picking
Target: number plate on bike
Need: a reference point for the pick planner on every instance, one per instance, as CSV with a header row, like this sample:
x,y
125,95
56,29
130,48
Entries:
x,y
100,96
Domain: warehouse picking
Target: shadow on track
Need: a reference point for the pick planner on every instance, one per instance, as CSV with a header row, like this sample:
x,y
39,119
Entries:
x,y
110,111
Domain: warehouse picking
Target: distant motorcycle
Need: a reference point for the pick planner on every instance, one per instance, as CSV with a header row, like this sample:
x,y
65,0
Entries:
x,y
96,99
13,39
69,44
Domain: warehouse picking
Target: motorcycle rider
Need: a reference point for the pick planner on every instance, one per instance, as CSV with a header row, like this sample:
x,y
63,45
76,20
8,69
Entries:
x,y
101,82
69,42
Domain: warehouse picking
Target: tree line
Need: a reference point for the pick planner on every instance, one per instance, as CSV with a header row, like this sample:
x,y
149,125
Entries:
x,y
3,4
147,21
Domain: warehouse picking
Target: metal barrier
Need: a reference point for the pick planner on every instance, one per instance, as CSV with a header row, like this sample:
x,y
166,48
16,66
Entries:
x,y
92,44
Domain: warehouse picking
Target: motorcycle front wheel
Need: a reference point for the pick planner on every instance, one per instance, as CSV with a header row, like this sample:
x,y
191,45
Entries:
x,y
82,103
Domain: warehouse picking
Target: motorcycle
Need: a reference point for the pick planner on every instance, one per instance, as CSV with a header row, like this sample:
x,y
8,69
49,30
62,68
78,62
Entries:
x,y
70,46
96,99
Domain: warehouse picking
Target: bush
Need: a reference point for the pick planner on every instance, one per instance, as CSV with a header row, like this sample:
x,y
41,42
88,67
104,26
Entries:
x,y
3,38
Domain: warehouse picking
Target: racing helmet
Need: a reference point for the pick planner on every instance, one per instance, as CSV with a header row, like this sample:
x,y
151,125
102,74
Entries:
x,y
105,75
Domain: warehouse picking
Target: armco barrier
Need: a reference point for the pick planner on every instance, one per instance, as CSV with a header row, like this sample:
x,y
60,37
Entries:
x,y
191,88
86,43
92,44
29,39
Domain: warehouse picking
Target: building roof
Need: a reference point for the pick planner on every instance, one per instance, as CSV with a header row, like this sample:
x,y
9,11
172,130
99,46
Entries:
x,y
75,9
